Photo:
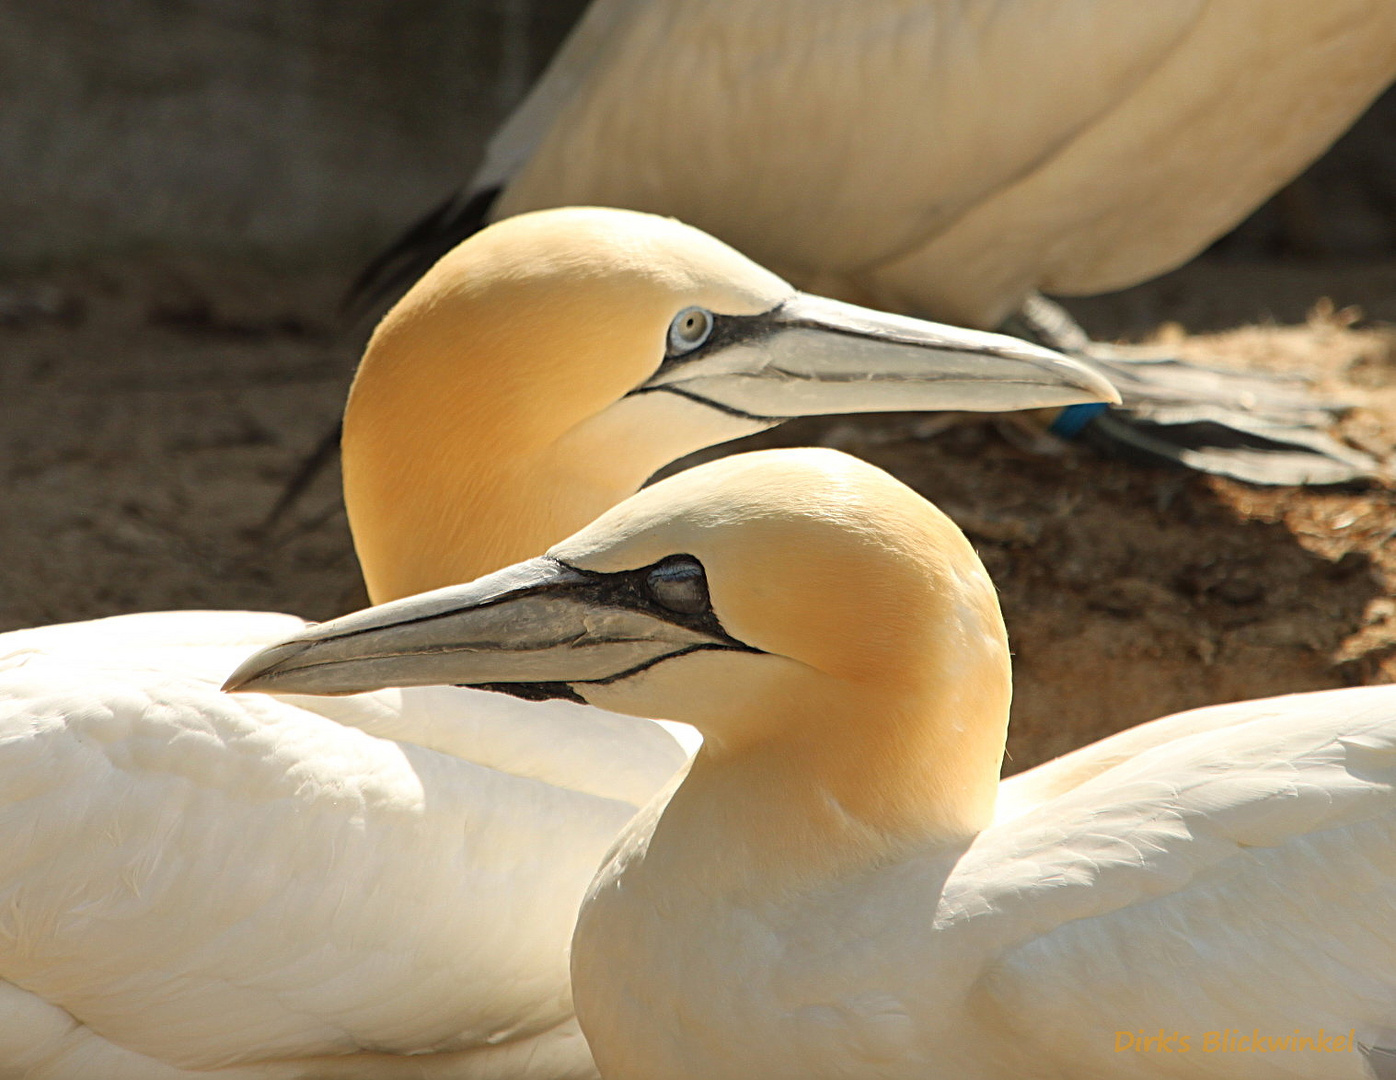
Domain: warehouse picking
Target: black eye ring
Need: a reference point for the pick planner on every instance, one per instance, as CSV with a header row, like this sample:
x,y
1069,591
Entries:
x,y
680,584
690,328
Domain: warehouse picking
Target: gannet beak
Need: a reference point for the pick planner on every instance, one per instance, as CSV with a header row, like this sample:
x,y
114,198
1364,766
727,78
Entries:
x,y
811,356
527,630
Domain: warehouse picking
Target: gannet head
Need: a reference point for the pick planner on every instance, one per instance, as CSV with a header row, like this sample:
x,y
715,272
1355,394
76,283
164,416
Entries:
x,y
541,371
793,588
818,576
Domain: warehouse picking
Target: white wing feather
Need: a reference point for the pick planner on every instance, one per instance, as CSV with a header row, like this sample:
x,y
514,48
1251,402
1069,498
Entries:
x,y
1256,855
887,150
203,880
902,97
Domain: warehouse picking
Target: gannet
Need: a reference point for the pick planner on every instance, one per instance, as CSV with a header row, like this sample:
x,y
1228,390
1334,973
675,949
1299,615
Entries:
x,y
827,894
288,887
954,158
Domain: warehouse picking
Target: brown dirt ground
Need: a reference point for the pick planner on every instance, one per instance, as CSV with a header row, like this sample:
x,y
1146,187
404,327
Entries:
x,y
150,410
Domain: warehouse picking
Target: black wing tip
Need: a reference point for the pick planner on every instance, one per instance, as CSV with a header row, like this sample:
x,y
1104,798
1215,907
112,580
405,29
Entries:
x,y
412,254
307,471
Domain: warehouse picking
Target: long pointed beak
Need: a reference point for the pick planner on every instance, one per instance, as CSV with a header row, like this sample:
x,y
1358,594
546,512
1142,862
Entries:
x,y
811,356
529,630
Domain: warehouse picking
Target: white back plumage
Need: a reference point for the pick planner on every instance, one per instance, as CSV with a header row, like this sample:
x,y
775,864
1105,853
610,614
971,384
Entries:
x,y
945,156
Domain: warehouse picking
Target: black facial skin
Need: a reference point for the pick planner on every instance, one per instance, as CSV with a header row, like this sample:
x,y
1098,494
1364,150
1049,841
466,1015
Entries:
x,y
727,330
674,590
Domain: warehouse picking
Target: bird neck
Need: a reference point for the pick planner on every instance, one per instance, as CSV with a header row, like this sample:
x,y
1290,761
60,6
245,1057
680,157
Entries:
x,y
463,511
857,783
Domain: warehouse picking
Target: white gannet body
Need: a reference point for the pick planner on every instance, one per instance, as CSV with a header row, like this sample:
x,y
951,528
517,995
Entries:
x,y
827,892
946,157
385,886
951,158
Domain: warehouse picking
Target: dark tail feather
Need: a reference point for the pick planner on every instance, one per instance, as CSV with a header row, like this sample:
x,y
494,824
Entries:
x,y
1258,428
1251,426
1241,447
413,253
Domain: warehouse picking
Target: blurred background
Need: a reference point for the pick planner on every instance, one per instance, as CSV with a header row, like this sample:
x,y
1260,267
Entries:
x,y
189,185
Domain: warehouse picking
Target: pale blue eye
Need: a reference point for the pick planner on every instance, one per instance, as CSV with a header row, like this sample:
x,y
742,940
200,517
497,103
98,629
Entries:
x,y
690,328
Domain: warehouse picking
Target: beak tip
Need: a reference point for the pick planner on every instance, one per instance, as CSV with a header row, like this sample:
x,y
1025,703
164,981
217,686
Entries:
x,y
1094,383
239,681
257,672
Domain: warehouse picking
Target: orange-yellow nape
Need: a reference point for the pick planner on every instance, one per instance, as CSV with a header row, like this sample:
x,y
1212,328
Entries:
x,y
483,423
